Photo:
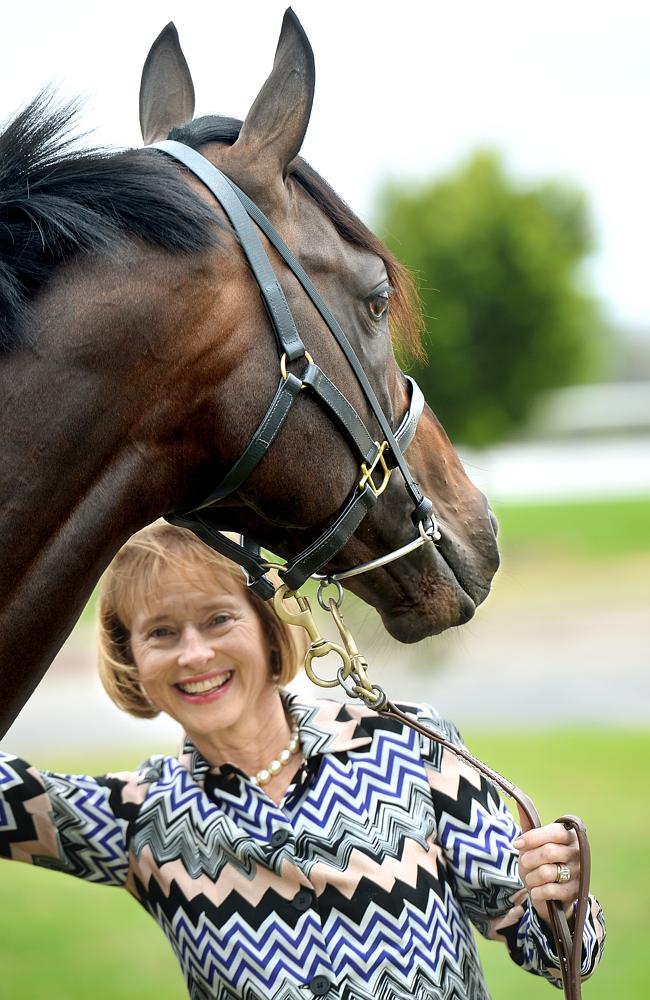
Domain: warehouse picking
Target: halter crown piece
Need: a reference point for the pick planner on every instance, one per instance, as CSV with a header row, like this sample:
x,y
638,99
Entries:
x,y
377,459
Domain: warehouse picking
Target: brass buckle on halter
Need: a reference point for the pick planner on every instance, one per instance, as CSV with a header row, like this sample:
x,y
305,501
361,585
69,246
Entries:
x,y
366,478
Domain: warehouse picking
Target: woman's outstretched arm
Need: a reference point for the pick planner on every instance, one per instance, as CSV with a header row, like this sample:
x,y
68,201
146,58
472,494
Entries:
x,y
72,823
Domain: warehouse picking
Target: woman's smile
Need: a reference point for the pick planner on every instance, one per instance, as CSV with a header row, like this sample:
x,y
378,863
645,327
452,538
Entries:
x,y
206,688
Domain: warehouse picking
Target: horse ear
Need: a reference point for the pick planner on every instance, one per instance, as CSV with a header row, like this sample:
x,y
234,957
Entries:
x,y
166,88
276,124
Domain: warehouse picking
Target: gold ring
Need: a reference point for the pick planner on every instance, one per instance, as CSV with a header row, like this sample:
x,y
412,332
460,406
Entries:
x,y
283,363
563,873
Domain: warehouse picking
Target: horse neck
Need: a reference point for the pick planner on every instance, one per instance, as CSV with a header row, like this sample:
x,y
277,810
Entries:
x,y
87,421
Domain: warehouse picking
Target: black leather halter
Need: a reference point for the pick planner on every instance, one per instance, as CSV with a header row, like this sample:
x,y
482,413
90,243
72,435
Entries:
x,y
375,457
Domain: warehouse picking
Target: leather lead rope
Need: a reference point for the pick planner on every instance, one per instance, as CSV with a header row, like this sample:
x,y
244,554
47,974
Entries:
x,y
568,944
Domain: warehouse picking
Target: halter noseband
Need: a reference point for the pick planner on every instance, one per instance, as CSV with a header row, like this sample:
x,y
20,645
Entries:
x,y
376,458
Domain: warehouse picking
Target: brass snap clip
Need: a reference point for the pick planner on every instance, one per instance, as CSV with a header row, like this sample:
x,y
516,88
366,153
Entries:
x,y
356,682
318,646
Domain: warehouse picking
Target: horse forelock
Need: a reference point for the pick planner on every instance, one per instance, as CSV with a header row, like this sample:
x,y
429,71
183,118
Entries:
x,y
57,199
406,316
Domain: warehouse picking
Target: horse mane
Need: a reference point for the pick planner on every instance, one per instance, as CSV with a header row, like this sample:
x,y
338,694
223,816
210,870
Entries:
x,y
406,317
57,200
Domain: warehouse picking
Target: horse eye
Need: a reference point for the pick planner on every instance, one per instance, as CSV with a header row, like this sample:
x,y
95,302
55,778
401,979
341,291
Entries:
x,y
378,304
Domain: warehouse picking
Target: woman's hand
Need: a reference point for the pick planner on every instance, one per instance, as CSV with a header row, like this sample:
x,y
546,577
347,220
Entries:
x,y
544,855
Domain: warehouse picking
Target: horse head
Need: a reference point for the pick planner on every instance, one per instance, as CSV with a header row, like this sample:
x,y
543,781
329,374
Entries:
x,y
305,479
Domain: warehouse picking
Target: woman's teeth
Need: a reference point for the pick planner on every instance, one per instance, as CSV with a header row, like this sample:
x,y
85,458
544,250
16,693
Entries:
x,y
202,687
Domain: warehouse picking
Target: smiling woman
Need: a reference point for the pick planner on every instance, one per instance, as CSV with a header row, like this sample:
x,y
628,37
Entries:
x,y
286,828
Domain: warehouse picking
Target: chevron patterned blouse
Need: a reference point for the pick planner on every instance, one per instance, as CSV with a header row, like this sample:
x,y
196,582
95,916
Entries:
x,y
361,884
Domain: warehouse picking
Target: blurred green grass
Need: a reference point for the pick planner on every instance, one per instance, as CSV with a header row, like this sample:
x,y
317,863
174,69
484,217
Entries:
x,y
63,940
593,529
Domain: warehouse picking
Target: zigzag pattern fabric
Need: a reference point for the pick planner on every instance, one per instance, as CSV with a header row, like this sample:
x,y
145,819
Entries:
x,y
362,884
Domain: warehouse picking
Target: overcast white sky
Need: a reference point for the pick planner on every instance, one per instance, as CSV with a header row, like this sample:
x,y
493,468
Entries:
x,y
404,89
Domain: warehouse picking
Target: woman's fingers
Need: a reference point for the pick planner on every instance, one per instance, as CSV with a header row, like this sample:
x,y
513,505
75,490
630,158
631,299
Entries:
x,y
565,895
545,874
542,883
541,852
565,892
548,845
552,833
549,855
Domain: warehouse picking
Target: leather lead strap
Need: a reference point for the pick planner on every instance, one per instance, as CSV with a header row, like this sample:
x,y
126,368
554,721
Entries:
x,y
568,945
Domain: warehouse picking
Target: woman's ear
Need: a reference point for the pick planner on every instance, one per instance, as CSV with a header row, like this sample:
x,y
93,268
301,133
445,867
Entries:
x,y
276,665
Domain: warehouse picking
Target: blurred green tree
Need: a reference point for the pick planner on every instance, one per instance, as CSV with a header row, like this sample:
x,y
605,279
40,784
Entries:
x,y
498,271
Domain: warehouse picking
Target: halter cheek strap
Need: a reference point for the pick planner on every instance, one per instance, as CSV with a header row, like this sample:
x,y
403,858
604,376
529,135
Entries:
x,y
377,459
208,522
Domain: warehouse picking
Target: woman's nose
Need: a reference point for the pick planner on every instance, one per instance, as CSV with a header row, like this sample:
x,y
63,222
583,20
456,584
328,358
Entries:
x,y
193,649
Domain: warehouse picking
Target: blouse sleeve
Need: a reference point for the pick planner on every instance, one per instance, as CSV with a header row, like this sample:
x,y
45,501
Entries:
x,y
71,823
476,831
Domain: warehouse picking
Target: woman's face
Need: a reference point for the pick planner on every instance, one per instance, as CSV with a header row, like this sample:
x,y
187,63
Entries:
x,y
201,652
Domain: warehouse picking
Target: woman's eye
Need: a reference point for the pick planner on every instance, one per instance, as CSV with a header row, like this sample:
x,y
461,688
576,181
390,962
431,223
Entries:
x,y
220,619
160,633
378,304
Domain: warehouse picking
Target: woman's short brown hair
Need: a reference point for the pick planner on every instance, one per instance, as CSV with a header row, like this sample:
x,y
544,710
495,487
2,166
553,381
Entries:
x,y
135,570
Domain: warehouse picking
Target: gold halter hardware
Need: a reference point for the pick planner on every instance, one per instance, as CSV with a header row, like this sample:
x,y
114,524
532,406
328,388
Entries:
x,y
319,646
283,363
352,675
367,471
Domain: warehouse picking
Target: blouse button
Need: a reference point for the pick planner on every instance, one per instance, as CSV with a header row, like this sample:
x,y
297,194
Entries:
x,y
320,986
279,838
303,900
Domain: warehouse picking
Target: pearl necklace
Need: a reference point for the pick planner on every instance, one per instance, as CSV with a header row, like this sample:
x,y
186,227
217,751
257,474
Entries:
x,y
264,776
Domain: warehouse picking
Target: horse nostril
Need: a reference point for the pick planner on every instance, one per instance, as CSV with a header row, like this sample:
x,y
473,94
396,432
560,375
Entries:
x,y
493,522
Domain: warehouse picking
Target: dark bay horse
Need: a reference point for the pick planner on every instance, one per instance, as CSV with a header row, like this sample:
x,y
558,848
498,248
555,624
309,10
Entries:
x,y
137,359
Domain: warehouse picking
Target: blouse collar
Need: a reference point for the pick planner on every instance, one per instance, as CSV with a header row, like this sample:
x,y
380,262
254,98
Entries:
x,y
325,726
